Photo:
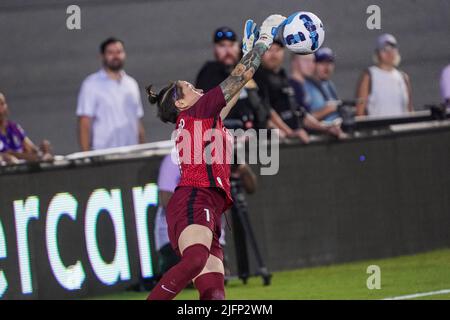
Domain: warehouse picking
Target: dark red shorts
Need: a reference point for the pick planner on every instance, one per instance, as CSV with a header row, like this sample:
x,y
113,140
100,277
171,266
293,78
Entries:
x,y
191,205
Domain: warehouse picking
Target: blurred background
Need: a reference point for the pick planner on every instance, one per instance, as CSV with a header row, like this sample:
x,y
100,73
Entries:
x,y
43,63
365,187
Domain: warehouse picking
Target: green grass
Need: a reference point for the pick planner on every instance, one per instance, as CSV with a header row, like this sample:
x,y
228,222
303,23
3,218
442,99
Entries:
x,y
399,276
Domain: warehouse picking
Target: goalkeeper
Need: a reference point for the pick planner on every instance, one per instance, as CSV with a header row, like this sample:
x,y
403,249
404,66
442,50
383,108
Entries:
x,y
203,193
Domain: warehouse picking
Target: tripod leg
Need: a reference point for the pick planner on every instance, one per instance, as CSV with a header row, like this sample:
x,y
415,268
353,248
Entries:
x,y
240,243
249,231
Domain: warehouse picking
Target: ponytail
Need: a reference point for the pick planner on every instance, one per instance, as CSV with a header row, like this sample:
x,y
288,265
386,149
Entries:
x,y
164,100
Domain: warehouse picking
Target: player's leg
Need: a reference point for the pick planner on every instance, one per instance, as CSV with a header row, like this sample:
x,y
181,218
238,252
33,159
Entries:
x,y
194,244
210,282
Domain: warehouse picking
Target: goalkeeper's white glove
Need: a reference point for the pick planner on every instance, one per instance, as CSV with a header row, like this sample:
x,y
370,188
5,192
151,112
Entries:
x,y
251,33
269,29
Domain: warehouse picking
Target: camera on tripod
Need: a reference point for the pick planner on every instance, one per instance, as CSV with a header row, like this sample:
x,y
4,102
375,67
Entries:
x,y
347,111
438,111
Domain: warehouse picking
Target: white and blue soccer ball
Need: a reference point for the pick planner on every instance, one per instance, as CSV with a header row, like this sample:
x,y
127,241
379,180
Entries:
x,y
303,33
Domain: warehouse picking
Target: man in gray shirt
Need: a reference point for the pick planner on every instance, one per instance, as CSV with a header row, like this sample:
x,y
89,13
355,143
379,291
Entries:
x,y
109,106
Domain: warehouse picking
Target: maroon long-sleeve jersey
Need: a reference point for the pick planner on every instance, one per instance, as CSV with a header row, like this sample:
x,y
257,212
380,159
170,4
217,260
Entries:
x,y
204,145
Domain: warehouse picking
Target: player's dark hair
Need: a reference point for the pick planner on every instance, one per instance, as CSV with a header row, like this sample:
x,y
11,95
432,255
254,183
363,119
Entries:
x,y
107,42
165,101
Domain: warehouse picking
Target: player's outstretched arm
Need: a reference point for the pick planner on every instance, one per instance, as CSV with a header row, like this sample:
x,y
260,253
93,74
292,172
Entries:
x,y
230,104
251,34
248,65
243,72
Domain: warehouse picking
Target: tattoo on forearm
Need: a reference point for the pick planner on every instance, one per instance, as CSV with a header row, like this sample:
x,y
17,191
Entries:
x,y
243,72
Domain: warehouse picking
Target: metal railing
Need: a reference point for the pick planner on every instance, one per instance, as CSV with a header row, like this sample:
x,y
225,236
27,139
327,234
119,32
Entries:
x,y
362,127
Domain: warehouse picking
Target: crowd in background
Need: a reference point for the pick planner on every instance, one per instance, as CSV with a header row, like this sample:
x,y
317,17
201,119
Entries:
x,y
297,101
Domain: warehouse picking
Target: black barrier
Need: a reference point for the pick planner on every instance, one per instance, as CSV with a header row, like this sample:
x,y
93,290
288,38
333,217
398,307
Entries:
x,y
359,199
78,231
87,230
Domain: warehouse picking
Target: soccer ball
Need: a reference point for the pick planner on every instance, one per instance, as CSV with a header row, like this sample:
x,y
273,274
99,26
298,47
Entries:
x,y
303,32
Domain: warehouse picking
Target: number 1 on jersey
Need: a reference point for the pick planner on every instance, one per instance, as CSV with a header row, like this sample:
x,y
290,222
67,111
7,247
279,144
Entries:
x,y
207,214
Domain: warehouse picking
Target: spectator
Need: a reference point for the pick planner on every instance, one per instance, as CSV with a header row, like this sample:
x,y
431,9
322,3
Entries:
x,y
384,90
445,85
301,65
325,66
15,145
168,178
320,92
109,103
226,53
286,114
249,111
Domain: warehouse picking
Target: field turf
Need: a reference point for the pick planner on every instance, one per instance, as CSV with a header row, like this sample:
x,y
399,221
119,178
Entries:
x,y
405,275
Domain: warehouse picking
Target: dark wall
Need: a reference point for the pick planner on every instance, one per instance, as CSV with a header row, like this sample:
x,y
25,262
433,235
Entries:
x,y
71,235
42,63
324,206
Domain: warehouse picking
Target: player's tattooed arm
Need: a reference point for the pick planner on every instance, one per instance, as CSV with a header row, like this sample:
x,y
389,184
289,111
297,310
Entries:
x,y
243,72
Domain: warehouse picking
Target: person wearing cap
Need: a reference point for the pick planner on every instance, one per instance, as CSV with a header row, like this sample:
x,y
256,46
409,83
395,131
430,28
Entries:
x,y
226,54
249,111
311,74
383,90
287,114
325,65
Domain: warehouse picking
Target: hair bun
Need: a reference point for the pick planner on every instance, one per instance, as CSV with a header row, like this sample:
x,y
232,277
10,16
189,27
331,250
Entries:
x,y
153,97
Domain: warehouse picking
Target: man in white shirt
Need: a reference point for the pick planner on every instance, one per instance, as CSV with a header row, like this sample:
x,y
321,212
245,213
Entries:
x,y
109,106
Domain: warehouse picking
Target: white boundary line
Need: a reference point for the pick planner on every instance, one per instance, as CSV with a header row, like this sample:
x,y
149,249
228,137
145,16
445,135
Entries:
x,y
418,295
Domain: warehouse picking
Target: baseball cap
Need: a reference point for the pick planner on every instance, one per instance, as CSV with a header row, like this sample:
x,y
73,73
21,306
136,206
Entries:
x,y
324,55
386,39
224,33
